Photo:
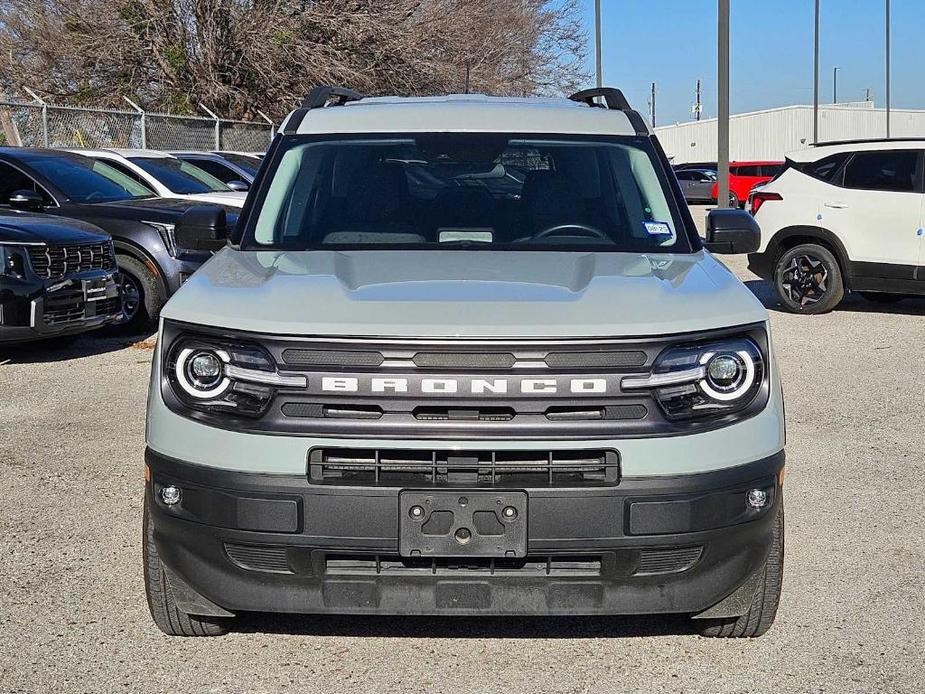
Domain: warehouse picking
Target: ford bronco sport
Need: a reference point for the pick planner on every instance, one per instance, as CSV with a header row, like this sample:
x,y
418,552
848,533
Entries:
x,y
464,355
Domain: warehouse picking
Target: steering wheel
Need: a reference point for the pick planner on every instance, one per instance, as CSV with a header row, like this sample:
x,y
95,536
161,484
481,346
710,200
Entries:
x,y
583,229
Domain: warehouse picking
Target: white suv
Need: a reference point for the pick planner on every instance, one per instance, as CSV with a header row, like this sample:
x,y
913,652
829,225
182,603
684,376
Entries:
x,y
846,216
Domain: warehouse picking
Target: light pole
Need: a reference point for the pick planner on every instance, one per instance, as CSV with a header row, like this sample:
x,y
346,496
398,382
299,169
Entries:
x,y
722,112
888,69
597,43
816,80
835,84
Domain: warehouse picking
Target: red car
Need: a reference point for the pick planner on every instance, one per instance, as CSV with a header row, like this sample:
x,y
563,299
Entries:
x,y
745,175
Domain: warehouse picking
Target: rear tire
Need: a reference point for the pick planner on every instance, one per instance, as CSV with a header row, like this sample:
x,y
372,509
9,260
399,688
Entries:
x,y
734,202
760,616
808,279
168,617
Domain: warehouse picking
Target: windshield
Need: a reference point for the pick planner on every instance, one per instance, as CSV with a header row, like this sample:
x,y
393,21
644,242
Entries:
x,y
245,161
470,190
82,179
180,177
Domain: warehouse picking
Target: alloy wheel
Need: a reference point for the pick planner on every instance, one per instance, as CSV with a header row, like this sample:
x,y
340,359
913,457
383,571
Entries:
x,y
805,279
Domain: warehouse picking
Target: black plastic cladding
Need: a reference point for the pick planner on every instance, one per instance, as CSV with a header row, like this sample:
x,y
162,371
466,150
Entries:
x,y
388,416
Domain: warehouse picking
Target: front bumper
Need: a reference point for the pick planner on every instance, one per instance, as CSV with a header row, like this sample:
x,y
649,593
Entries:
x,y
254,542
39,309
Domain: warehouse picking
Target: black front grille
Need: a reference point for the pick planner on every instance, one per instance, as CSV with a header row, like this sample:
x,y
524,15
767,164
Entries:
x,y
495,468
391,565
595,360
331,357
57,262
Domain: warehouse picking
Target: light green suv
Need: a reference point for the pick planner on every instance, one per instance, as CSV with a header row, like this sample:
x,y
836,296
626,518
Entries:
x,y
464,355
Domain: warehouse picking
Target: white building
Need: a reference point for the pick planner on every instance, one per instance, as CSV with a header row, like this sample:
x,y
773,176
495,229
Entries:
x,y
768,135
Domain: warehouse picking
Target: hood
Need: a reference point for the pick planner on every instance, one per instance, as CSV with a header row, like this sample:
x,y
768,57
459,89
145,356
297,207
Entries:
x,y
167,210
232,198
481,294
25,227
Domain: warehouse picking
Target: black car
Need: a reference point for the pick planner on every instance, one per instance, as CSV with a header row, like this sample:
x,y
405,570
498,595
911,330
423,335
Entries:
x,y
141,224
57,277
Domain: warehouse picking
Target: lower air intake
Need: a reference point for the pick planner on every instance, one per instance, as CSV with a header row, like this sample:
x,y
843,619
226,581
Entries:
x,y
667,561
265,558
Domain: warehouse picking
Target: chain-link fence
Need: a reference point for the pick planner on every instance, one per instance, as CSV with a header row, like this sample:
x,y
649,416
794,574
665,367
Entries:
x,y
34,124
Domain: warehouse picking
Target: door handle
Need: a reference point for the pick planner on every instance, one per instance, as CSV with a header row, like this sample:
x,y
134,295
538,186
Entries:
x,y
836,205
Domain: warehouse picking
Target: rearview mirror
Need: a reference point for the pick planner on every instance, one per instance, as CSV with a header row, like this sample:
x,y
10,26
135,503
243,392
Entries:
x,y
26,200
239,186
202,228
731,231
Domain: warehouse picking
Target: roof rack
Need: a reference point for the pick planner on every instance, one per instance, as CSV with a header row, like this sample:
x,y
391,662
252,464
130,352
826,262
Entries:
x,y
614,100
867,140
321,96
612,97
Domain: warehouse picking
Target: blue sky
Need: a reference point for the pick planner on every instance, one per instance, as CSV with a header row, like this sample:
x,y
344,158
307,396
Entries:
x,y
673,42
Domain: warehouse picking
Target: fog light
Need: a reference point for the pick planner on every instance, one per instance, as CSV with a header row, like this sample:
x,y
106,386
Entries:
x,y
757,498
170,495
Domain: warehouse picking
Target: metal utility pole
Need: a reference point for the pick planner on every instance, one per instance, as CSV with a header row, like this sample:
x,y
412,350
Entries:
x,y
652,106
816,80
888,69
722,124
835,85
597,44
698,104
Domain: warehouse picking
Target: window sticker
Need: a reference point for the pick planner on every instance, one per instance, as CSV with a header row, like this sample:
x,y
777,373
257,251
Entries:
x,y
657,228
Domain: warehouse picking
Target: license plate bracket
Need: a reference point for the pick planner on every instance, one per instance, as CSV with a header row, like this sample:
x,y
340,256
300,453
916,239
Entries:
x,y
463,524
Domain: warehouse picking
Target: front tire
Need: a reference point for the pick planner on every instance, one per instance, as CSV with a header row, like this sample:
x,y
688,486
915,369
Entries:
x,y
142,296
808,279
168,617
763,610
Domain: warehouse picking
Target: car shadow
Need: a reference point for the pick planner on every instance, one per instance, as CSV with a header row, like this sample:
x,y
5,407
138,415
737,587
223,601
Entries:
x,y
464,627
854,303
63,348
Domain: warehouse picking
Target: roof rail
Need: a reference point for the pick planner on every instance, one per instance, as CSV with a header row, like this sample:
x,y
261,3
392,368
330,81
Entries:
x,y
867,140
612,97
320,96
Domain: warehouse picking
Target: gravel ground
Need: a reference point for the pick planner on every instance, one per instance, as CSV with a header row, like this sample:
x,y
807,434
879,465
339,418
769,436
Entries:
x,y
73,616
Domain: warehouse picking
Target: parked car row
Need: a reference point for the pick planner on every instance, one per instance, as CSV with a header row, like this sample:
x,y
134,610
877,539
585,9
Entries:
x,y
699,182
87,236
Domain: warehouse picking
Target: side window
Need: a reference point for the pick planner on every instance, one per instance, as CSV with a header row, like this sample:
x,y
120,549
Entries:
x,y
12,179
125,171
221,172
827,169
686,176
892,170
746,171
770,170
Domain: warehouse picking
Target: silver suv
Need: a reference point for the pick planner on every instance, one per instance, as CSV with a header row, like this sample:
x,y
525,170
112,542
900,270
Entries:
x,y
464,355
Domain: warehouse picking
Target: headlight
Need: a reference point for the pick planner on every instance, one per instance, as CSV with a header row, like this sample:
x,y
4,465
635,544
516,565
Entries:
x,y
218,376
167,235
12,261
712,379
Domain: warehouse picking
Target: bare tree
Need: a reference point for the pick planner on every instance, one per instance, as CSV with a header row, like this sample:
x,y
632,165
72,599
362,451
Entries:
x,y
238,56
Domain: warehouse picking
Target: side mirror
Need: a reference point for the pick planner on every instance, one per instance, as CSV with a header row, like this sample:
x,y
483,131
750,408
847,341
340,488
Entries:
x,y
239,186
732,232
202,228
27,200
